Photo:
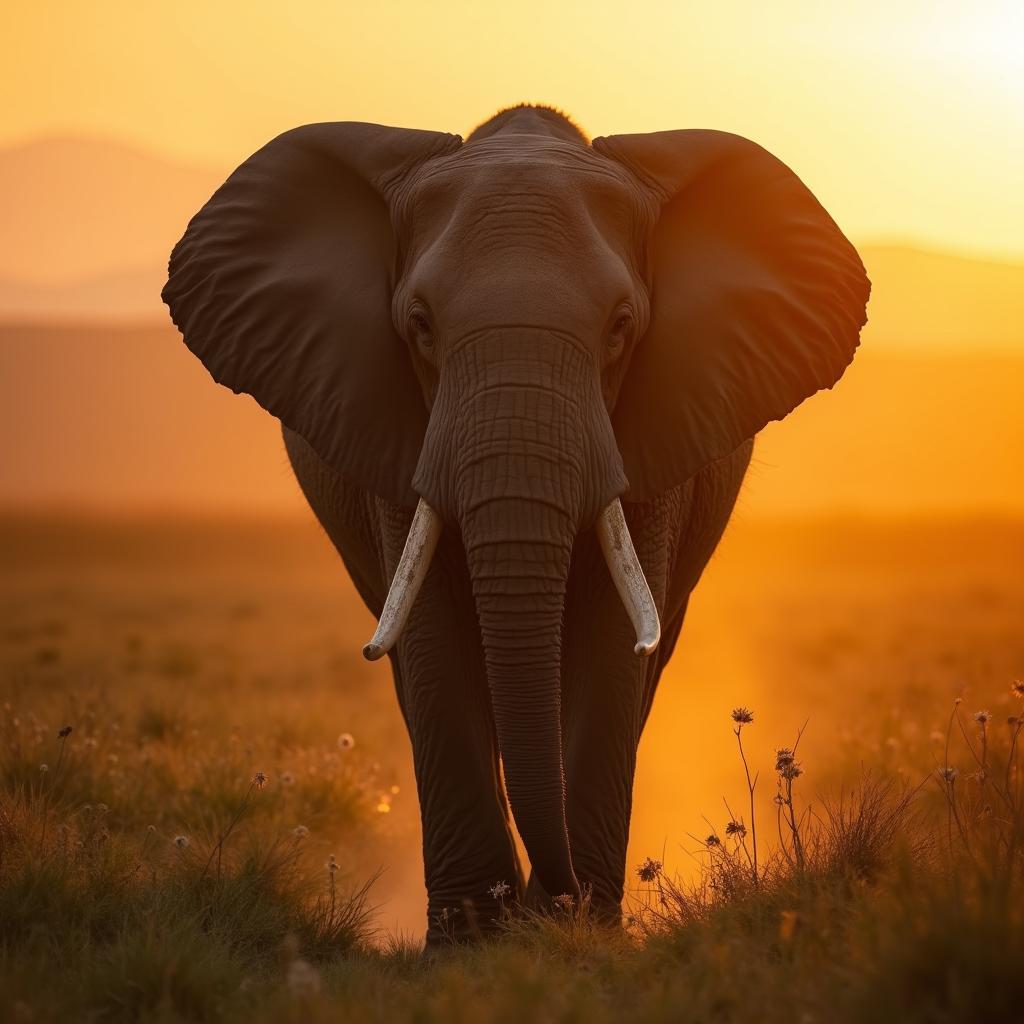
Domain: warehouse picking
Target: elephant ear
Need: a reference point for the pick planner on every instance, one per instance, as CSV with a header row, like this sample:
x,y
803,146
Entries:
x,y
757,302
282,286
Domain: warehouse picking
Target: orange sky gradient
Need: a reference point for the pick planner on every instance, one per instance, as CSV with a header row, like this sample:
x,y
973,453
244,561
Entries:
x,y
906,119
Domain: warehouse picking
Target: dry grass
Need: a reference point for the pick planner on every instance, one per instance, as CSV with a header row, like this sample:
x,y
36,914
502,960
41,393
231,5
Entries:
x,y
187,662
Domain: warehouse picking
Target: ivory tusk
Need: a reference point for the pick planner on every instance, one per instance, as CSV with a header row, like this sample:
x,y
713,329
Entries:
x,y
628,577
412,569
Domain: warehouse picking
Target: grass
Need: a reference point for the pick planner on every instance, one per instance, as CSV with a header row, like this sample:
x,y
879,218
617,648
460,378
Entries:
x,y
205,843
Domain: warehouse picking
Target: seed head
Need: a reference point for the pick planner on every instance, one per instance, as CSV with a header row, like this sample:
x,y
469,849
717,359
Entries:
x,y
949,774
791,771
736,828
1017,688
500,890
302,978
713,840
181,842
259,780
742,716
649,870
982,717
300,831
783,757
44,768
566,901
332,864
346,741
64,733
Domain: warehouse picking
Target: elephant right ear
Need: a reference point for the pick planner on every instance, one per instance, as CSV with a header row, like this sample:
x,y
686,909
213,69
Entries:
x,y
282,285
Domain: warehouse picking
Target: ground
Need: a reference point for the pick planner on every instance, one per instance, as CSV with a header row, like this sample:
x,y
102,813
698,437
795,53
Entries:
x,y
198,846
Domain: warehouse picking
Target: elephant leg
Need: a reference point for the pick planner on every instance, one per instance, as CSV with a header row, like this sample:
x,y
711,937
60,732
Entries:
x,y
602,712
607,695
442,689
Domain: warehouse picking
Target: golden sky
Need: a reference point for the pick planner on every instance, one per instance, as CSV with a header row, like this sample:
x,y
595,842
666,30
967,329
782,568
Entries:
x,y
906,118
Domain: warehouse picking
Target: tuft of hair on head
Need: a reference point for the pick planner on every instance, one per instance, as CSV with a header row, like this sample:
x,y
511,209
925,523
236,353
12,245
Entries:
x,y
554,115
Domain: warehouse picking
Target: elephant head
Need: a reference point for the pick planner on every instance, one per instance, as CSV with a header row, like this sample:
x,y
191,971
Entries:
x,y
510,333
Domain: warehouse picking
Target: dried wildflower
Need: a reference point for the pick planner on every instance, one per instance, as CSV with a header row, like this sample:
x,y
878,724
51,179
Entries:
x,y
783,757
300,831
259,780
44,768
779,799
958,701
1017,688
713,840
287,779
181,842
742,716
791,771
982,717
949,774
332,864
151,829
649,870
736,828
346,741
565,901
500,890
64,733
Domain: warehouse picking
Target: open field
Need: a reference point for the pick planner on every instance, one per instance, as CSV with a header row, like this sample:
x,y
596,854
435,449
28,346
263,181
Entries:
x,y
188,656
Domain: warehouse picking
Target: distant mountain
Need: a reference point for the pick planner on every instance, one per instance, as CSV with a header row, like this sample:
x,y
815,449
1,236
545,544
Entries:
x,y
923,299
86,226
91,221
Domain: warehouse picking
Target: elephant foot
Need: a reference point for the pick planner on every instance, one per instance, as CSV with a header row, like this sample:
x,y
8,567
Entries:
x,y
470,921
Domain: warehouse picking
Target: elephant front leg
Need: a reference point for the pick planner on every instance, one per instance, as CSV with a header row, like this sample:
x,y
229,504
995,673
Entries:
x,y
607,692
468,850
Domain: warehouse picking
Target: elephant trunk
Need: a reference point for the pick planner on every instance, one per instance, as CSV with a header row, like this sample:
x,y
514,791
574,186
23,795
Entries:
x,y
519,580
520,455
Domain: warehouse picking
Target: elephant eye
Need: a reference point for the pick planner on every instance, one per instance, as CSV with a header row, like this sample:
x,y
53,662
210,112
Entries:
x,y
419,327
621,328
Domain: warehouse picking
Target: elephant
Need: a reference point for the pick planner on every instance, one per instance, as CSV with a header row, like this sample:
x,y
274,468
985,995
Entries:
x,y
519,376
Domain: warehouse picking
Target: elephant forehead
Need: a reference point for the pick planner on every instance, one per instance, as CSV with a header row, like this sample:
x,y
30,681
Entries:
x,y
523,174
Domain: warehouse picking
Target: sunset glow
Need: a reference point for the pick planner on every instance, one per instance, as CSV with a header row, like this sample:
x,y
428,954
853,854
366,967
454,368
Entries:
x,y
168,592
907,119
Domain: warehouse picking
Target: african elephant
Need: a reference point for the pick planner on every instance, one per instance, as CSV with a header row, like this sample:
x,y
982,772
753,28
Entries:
x,y
519,376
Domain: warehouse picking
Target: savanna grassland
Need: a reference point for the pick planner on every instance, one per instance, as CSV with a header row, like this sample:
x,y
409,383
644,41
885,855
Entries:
x,y
207,811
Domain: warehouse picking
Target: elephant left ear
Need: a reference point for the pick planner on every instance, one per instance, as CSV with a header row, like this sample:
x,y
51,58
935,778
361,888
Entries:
x,y
757,302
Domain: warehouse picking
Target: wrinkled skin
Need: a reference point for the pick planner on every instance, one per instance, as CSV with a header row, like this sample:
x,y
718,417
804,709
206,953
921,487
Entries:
x,y
567,324
522,255
606,690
